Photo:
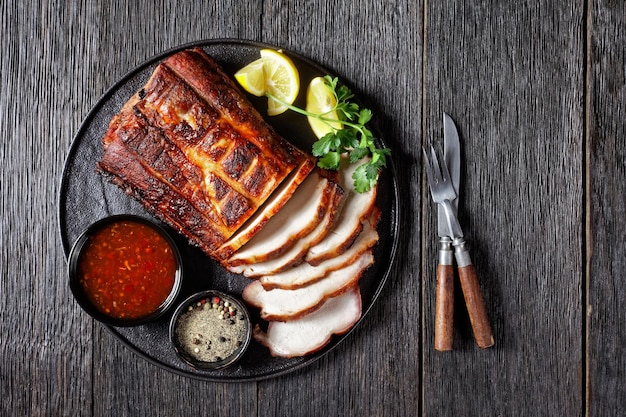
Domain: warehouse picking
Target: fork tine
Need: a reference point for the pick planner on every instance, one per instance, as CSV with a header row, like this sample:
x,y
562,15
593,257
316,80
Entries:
x,y
437,168
438,175
444,168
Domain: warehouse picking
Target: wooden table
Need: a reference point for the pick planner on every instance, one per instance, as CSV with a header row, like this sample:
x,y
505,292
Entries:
x,y
537,90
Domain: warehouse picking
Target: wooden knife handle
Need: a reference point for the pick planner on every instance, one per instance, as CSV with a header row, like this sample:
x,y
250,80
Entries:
x,y
444,308
473,297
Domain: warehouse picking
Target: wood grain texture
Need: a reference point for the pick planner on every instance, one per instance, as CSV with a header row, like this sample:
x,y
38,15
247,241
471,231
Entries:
x,y
537,91
374,374
511,76
444,308
606,212
45,342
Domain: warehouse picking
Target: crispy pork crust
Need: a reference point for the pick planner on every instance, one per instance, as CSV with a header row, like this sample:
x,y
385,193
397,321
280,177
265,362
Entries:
x,y
194,151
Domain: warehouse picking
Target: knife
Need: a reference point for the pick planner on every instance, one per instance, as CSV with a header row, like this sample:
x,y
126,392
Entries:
x,y
444,298
467,272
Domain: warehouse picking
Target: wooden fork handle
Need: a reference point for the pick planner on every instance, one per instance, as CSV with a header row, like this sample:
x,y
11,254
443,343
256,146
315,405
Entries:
x,y
473,297
444,296
444,308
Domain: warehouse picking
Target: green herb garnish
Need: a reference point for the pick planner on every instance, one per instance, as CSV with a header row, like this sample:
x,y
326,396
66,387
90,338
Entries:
x,y
354,138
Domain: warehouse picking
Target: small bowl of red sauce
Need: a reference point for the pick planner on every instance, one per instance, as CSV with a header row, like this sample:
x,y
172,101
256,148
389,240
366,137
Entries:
x,y
125,270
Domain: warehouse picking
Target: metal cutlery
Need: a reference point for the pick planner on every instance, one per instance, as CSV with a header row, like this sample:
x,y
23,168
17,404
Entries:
x,y
443,192
444,299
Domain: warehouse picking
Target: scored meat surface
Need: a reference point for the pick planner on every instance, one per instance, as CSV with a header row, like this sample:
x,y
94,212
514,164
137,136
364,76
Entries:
x,y
197,155
194,152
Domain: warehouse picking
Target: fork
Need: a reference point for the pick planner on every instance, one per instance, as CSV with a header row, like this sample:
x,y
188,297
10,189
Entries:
x,y
442,192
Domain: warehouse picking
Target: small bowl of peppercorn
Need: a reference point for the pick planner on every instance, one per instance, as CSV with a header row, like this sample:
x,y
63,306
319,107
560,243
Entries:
x,y
210,330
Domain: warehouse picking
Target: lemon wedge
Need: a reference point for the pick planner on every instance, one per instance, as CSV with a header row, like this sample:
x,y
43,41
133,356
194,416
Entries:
x,y
320,100
273,73
252,78
281,80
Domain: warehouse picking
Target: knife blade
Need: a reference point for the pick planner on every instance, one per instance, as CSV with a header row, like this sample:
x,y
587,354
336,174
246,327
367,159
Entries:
x,y
444,297
452,156
468,277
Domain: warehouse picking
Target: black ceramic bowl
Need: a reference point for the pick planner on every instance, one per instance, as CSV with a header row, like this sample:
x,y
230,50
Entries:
x,y
137,290
211,330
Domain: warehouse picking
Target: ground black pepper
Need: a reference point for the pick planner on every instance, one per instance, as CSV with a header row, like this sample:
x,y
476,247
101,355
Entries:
x,y
205,322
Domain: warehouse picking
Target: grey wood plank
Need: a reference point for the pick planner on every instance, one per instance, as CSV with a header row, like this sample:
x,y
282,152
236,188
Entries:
x,y
606,178
377,51
511,75
45,344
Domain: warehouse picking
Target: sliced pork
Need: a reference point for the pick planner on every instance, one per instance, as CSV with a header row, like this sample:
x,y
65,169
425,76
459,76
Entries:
x,y
313,331
283,305
305,273
298,217
295,254
357,207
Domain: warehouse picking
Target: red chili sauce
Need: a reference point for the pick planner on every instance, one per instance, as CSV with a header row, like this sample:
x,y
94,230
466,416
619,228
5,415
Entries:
x,y
127,269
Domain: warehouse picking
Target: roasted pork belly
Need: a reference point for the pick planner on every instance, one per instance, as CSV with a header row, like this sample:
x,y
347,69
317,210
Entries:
x,y
194,152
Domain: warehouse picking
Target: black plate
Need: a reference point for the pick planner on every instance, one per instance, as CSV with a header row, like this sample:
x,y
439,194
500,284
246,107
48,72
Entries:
x,y
85,198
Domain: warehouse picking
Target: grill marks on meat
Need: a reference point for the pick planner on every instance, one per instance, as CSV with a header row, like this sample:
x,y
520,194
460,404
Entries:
x,y
153,188
209,139
196,153
266,212
295,254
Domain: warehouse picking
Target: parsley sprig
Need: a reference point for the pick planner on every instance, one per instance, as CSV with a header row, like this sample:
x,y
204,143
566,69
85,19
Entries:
x,y
354,138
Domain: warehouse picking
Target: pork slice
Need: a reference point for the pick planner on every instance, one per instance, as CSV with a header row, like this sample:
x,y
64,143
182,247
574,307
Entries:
x,y
284,305
313,331
356,208
295,254
298,217
306,274
272,206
